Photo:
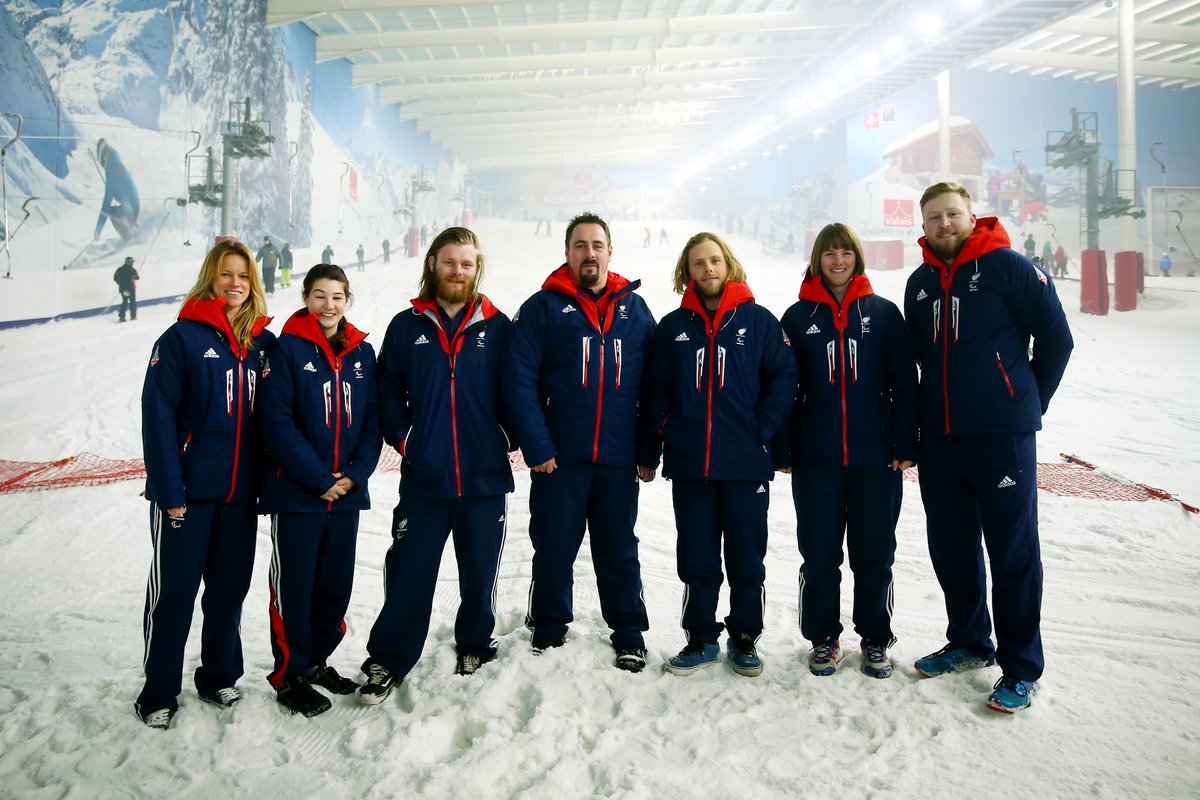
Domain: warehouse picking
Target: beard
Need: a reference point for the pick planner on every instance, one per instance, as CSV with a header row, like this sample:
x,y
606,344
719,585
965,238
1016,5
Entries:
x,y
455,293
588,278
712,291
948,250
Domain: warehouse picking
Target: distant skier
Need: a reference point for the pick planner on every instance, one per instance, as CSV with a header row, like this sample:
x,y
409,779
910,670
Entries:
x,y
126,278
121,203
285,267
268,257
360,253
327,255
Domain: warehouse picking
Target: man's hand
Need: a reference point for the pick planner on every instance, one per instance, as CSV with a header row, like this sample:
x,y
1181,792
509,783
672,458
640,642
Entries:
x,y
900,466
546,466
646,474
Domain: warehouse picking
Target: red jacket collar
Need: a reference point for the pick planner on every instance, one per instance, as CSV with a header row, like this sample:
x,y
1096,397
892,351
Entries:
x,y
989,235
307,327
212,312
734,295
561,280
815,290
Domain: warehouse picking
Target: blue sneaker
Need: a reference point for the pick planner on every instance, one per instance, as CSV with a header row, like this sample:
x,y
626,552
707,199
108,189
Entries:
x,y
743,657
1011,695
696,655
951,659
826,655
875,663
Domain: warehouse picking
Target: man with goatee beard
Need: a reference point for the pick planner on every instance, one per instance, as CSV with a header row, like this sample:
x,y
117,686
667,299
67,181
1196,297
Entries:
x,y
574,388
973,308
439,397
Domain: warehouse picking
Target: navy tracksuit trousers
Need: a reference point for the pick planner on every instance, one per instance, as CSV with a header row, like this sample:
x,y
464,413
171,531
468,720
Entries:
x,y
707,515
420,528
561,504
861,505
975,486
214,542
312,573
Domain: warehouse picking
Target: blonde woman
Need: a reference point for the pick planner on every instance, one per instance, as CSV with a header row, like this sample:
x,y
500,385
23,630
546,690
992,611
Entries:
x,y
199,446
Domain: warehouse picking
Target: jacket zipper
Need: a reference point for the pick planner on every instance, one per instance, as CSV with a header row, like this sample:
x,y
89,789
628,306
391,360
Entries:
x,y
237,439
1004,374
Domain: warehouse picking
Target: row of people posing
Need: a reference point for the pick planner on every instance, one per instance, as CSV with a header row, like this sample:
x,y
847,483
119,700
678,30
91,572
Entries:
x,y
720,383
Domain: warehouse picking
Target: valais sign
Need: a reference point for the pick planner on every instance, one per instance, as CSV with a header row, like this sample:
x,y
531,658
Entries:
x,y
898,213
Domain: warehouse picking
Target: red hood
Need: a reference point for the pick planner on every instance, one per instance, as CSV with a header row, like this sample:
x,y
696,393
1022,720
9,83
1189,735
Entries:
x,y
307,327
735,294
483,310
989,235
561,281
814,289
212,312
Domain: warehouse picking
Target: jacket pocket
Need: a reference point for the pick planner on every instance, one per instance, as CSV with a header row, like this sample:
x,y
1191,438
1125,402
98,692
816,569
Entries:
x,y
1004,374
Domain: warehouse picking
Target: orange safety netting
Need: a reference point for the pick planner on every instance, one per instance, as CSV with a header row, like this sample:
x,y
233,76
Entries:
x,y
1074,479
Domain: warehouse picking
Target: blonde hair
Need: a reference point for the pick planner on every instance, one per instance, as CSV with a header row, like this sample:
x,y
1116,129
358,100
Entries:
x,y
946,187
429,280
255,305
683,277
836,235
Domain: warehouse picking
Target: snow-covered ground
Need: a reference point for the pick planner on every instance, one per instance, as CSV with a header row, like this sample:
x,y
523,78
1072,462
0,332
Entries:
x,y
1116,716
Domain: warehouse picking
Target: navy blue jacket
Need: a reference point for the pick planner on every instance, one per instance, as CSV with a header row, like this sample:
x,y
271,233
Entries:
x,y
197,409
721,386
574,377
856,404
317,416
972,323
439,397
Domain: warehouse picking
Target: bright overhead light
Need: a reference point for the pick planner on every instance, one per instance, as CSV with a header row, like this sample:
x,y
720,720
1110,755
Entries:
x,y
893,45
847,73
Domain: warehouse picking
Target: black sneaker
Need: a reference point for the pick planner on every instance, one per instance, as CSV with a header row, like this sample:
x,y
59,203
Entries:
x,y
159,720
328,679
225,698
468,664
380,681
631,659
301,698
542,645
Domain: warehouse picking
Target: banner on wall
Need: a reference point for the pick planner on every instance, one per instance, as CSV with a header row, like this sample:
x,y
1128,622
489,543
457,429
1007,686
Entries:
x,y
353,184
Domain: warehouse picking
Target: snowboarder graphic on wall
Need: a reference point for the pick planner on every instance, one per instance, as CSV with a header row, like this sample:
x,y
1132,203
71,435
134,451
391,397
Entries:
x,y
121,203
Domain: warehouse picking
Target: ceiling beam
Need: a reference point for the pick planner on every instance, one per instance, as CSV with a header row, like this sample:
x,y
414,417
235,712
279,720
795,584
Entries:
x,y
1142,69
365,74
344,45
568,104
1142,31
581,83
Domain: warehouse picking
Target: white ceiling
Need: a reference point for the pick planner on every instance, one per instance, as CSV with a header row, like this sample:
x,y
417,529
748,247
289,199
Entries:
x,y
517,83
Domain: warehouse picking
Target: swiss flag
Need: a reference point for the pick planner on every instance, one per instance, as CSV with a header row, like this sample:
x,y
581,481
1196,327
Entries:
x,y
871,120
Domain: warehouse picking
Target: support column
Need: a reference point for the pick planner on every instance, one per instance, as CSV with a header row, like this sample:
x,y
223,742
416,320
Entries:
x,y
1126,121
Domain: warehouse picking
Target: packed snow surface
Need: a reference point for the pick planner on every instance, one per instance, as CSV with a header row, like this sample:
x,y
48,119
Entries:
x,y
1116,715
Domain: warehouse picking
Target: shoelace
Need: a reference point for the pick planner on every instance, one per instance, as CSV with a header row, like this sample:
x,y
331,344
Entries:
x,y
824,651
158,719
228,695
876,653
471,663
378,675
1017,687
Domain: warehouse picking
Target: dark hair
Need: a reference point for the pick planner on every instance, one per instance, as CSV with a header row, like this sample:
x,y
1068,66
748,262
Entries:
x,y
331,272
586,218
836,235
462,237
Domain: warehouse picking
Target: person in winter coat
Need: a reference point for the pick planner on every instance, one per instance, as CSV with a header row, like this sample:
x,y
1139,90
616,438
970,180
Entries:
x,y
199,448
574,384
286,259
268,258
126,278
722,381
360,253
439,390
1060,262
319,424
853,432
973,307
327,255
